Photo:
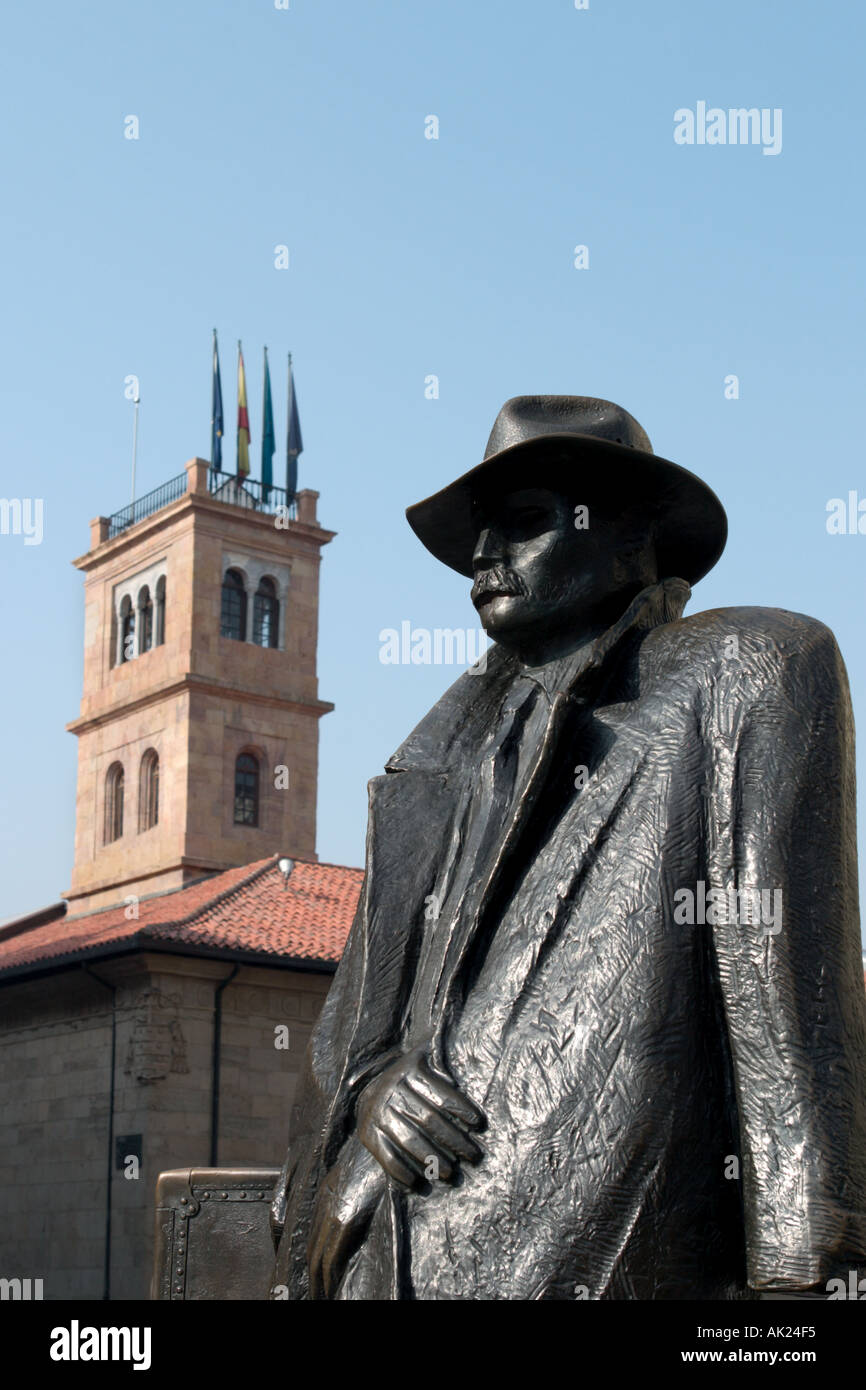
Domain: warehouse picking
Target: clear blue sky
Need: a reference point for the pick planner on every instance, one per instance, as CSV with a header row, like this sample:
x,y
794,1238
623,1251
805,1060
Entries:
x,y
410,256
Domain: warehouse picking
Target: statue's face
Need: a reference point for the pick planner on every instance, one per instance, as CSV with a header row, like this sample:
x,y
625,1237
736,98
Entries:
x,y
539,577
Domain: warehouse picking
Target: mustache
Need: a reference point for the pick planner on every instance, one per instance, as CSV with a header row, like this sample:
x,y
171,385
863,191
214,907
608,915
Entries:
x,y
498,580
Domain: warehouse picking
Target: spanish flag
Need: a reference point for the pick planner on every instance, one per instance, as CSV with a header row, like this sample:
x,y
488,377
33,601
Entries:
x,y
243,419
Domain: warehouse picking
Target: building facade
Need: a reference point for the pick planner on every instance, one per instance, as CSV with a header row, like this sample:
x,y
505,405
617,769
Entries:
x,y
157,1017
197,736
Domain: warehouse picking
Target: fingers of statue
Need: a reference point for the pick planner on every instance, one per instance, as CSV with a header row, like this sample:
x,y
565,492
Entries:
x,y
396,1143
425,1139
416,1148
416,1123
390,1158
444,1095
446,1135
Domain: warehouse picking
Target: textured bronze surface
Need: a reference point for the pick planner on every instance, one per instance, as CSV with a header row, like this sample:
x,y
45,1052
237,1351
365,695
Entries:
x,y
212,1235
567,1053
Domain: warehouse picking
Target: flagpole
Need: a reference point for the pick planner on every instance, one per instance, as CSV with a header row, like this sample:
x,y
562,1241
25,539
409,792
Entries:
x,y
136,404
243,440
213,399
294,446
289,498
264,422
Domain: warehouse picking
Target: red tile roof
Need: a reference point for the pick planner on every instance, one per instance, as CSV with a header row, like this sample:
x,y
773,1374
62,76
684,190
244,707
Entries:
x,y
252,910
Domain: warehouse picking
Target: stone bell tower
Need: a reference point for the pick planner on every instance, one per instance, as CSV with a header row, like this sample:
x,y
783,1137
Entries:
x,y
198,731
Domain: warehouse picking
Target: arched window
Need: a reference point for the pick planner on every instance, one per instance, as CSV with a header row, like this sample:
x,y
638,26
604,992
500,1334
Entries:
x,y
113,828
159,633
145,620
127,630
246,790
148,790
233,621
266,615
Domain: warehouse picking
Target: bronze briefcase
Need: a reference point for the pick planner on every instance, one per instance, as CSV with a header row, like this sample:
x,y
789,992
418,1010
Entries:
x,y
213,1236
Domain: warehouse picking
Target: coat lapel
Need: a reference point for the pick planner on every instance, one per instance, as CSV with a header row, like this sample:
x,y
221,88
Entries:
x,y
656,604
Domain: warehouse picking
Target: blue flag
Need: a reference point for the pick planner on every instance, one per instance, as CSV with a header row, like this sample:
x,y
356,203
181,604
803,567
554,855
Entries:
x,y
216,414
268,442
294,443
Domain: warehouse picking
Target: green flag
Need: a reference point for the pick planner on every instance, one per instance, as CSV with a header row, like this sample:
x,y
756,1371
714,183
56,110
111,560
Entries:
x,y
268,442
294,443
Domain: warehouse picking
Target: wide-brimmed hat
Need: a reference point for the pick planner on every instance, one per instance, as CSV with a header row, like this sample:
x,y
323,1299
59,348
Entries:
x,y
601,454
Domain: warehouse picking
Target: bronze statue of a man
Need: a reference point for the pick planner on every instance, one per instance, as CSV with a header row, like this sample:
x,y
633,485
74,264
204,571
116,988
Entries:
x,y
600,1026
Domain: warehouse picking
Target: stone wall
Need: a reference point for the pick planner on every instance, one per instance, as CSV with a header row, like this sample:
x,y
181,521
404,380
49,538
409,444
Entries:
x,y
55,1053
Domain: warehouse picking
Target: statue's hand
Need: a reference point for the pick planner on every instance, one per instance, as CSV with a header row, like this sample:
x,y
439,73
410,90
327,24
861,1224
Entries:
x,y
345,1203
417,1124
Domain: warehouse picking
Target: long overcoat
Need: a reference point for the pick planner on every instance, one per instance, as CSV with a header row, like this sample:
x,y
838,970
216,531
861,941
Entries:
x,y
675,1095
